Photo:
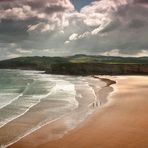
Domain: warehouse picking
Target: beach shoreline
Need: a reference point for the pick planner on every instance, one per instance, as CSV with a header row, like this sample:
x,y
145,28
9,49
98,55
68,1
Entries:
x,y
122,122
103,93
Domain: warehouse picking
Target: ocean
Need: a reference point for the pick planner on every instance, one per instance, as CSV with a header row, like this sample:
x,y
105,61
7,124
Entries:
x,y
32,99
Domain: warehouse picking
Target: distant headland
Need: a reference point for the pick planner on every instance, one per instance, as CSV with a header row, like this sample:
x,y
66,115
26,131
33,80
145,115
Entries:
x,y
80,65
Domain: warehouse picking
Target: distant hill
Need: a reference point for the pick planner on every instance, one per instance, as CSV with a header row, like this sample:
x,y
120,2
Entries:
x,y
80,65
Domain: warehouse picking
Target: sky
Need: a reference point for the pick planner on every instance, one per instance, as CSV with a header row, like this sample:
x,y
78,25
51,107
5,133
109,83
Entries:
x,y
69,27
78,4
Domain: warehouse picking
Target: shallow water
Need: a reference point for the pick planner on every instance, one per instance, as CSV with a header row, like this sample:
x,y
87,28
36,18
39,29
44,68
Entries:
x,y
30,99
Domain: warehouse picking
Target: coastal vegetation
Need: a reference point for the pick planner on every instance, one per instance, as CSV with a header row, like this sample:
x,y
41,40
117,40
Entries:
x,y
80,65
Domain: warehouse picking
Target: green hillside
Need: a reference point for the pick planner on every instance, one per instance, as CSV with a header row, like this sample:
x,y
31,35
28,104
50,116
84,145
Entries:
x,y
80,64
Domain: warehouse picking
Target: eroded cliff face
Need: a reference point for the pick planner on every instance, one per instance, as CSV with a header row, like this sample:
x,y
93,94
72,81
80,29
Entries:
x,y
64,66
105,69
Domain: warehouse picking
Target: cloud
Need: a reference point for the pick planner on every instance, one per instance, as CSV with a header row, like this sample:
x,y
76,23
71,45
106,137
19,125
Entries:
x,y
113,52
141,1
142,53
73,37
111,27
41,27
117,52
22,51
121,27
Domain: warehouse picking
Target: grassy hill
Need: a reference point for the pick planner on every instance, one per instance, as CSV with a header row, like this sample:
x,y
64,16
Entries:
x,y
80,64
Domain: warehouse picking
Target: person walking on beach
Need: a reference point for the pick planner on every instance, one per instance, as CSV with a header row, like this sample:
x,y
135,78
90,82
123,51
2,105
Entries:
x,y
97,104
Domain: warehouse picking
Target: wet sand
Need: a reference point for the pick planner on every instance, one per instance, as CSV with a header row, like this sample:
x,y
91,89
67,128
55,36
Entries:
x,y
121,123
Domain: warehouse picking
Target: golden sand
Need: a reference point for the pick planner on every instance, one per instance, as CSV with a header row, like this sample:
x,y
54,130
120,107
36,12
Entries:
x,y
122,123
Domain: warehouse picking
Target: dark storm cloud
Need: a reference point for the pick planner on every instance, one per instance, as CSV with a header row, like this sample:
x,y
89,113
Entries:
x,y
46,6
141,1
54,8
21,23
134,16
15,30
6,0
54,27
125,28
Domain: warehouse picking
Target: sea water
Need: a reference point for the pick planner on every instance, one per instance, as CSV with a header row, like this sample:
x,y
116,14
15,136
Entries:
x,y
31,99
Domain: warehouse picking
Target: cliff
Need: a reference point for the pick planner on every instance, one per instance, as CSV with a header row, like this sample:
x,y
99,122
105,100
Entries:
x,y
80,65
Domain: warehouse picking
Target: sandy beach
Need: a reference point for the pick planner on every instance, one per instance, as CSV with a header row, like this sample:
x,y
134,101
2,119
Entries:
x,y
121,123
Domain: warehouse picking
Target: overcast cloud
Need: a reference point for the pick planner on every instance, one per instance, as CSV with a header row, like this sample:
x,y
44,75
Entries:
x,y
56,28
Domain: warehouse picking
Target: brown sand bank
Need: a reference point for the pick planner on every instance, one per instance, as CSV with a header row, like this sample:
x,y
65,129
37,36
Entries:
x,y
123,123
